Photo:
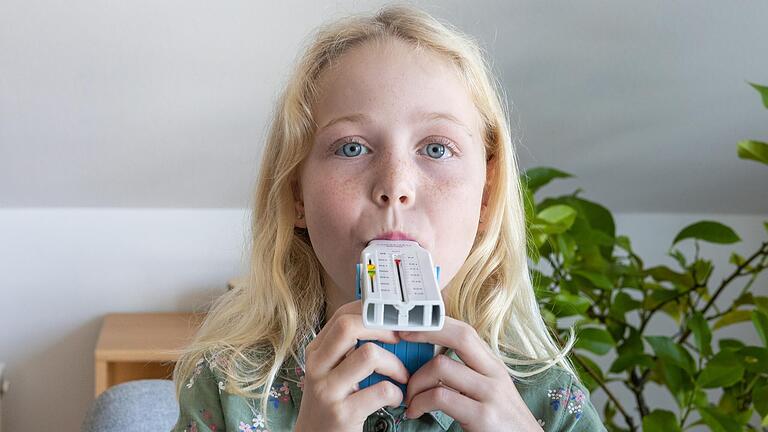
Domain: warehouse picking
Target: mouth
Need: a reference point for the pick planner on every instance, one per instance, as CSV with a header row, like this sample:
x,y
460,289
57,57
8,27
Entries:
x,y
394,235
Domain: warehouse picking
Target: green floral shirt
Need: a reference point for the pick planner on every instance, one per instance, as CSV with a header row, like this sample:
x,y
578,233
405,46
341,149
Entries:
x,y
556,399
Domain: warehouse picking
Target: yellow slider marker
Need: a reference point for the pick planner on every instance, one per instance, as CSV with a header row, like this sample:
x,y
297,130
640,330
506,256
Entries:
x,y
371,271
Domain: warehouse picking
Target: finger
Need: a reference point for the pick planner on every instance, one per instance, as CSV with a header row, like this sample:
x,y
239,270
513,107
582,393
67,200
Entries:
x,y
347,308
346,330
460,407
464,340
370,399
453,374
364,361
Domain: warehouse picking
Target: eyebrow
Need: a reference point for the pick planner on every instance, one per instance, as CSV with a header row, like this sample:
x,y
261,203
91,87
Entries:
x,y
421,116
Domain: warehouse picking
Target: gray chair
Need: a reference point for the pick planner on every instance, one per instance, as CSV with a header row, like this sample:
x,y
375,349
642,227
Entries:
x,y
134,406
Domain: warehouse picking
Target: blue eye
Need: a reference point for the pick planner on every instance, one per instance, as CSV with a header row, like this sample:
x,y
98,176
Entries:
x,y
350,149
435,150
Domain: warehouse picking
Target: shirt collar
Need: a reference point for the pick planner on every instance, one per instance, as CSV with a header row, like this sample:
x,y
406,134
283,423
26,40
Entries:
x,y
444,420
295,374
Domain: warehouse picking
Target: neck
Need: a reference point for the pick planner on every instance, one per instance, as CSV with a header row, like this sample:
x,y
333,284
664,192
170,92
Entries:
x,y
334,299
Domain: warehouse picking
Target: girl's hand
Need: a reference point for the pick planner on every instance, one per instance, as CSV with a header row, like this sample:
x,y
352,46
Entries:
x,y
331,400
480,394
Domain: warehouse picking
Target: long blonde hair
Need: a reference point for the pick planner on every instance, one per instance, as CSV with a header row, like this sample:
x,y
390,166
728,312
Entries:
x,y
253,328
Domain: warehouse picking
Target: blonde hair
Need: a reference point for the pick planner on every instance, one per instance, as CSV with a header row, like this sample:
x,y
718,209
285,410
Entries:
x,y
255,327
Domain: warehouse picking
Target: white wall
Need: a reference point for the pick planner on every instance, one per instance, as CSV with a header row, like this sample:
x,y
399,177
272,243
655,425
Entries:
x,y
165,103
61,270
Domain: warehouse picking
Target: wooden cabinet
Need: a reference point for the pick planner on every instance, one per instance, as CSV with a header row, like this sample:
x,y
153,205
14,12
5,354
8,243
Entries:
x,y
135,346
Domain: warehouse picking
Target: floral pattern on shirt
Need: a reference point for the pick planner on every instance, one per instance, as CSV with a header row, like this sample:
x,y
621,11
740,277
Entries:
x,y
571,399
198,369
207,416
256,426
279,394
300,374
205,401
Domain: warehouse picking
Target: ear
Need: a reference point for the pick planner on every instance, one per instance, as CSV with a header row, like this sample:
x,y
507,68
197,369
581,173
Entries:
x,y
299,217
490,178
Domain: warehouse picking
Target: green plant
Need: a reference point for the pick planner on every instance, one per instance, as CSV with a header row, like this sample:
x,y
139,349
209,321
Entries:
x,y
596,279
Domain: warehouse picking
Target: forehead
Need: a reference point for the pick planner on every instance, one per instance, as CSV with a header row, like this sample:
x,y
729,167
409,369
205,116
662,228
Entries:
x,y
392,81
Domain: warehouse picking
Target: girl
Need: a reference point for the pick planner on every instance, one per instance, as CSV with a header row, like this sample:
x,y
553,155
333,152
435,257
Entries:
x,y
391,127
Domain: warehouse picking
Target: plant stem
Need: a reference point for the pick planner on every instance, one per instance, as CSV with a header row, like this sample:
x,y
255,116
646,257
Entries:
x,y
647,318
637,388
627,418
690,397
741,293
556,269
761,251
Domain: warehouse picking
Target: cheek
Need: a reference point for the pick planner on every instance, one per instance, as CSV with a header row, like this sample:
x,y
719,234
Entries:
x,y
455,215
331,206
324,194
455,200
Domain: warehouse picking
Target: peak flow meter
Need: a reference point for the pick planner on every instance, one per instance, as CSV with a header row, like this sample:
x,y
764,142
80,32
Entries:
x,y
398,285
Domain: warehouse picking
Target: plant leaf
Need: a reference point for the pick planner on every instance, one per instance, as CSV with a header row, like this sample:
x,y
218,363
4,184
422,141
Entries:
x,y
754,359
762,303
623,303
701,333
733,317
736,259
597,340
633,344
709,231
760,320
664,273
718,422
760,399
567,304
594,226
658,296
625,243
722,370
671,352
763,90
567,247
661,420
745,299
730,344
626,361
679,257
598,279
755,150
702,268
558,218
674,310
537,177
678,381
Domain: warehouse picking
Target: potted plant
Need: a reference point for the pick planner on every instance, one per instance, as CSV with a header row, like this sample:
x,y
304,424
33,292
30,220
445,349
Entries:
x,y
595,278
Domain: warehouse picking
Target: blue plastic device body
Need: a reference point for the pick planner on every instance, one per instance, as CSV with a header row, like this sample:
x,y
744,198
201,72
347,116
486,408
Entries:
x,y
413,354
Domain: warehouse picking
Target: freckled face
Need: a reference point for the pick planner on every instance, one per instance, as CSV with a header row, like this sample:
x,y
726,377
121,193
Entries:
x,y
394,167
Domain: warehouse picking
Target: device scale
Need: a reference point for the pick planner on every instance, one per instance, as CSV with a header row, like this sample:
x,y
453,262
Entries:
x,y
398,284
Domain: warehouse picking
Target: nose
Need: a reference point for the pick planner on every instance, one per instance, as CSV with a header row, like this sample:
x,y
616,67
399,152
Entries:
x,y
394,184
